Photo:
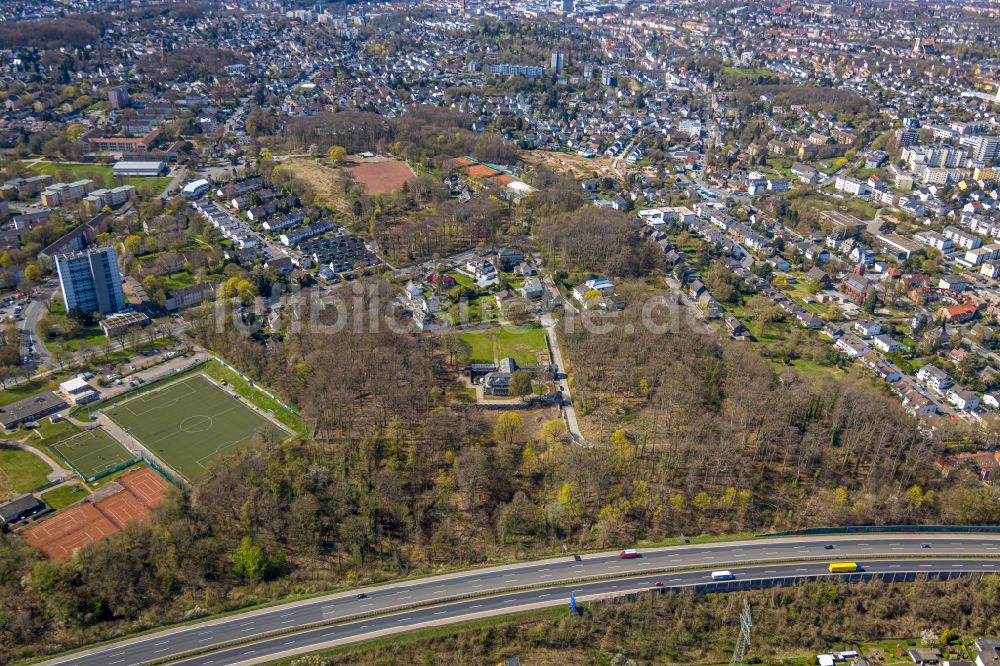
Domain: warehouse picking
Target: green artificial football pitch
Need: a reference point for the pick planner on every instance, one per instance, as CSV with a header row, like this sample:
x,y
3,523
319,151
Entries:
x,y
92,452
191,424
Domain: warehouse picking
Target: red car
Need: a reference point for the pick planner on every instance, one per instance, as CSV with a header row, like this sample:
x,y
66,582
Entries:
x,y
658,583
629,554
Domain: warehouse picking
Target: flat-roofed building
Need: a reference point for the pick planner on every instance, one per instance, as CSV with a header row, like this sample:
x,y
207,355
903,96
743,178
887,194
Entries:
x,y
121,144
112,198
90,280
119,323
142,169
78,391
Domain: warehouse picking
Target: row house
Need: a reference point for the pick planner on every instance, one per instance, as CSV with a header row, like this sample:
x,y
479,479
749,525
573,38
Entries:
x,y
882,368
306,231
962,239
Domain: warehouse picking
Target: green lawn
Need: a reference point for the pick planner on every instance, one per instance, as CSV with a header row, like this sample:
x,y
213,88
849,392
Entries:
x,y
63,496
860,208
190,424
92,452
102,175
748,73
20,472
462,279
481,346
52,432
89,336
178,280
237,383
525,344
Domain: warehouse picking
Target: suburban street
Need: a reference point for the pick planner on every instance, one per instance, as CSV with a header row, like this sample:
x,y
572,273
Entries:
x,y
551,582
37,308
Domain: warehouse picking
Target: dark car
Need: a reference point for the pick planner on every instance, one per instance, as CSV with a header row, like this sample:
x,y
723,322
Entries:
x,y
828,546
362,595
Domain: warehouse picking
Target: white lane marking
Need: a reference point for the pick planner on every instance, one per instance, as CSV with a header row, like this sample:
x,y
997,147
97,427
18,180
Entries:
x,y
476,587
408,597
202,640
440,612
161,651
287,614
615,567
288,621
925,565
161,643
476,606
546,576
116,662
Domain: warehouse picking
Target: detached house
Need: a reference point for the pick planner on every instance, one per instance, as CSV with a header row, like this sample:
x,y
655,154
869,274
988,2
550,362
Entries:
x,y
867,327
936,378
963,399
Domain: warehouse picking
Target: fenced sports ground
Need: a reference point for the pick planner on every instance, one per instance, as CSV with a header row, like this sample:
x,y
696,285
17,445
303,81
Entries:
x,y
93,453
190,424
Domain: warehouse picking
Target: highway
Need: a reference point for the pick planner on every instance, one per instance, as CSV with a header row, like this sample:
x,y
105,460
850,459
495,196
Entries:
x,y
427,599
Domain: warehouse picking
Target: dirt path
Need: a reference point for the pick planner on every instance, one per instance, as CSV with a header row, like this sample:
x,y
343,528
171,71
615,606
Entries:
x,y
58,471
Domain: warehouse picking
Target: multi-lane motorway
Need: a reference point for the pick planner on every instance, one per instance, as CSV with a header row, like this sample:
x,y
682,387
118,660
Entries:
x,y
499,590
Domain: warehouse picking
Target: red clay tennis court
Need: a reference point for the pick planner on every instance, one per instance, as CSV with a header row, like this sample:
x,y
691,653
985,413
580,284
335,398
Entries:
x,y
62,535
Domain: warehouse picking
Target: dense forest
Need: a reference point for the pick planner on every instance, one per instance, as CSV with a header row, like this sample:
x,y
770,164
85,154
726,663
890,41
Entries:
x,y
686,628
68,31
422,134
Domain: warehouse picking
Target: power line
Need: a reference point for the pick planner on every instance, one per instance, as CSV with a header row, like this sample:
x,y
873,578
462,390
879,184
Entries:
x,y
746,625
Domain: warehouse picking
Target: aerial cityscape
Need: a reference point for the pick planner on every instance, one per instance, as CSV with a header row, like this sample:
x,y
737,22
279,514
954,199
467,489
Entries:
x,y
500,332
